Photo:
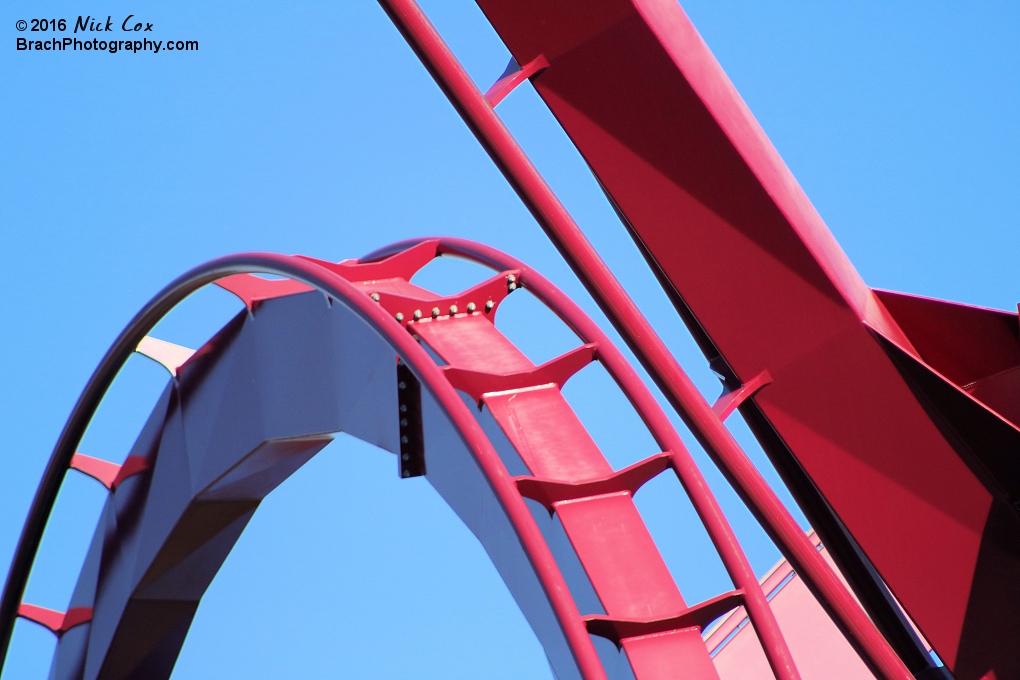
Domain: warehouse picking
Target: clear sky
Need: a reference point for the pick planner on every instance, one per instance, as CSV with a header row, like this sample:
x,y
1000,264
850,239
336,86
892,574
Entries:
x,y
311,128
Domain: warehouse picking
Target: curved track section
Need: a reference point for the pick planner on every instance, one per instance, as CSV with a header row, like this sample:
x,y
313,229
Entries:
x,y
541,22
355,347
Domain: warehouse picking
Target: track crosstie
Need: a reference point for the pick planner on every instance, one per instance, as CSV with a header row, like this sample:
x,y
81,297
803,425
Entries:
x,y
355,347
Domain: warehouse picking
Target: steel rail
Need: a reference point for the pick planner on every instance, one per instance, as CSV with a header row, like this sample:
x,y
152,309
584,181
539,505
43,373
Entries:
x,y
417,358
639,335
637,392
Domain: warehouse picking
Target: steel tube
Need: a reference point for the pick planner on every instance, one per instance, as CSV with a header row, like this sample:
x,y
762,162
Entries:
x,y
686,469
639,335
414,355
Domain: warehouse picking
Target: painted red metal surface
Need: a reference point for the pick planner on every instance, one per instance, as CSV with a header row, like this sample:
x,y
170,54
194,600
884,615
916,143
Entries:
x,y
731,401
666,437
571,477
554,372
106,473
817,645
58,622
858,417
325,279
549,492
618,306
606,532
698,616
645,613
893,416
514,76
646,405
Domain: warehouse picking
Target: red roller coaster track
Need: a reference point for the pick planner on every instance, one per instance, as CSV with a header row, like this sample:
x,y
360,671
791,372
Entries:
x,y
872,405
184,500
891,418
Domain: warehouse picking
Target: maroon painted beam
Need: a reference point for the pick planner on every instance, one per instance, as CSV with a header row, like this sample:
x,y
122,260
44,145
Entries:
x,y
863,416
160,542
639,335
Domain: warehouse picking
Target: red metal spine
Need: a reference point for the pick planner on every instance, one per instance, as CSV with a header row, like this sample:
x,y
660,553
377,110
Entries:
x,y
640,336
686,469
318,276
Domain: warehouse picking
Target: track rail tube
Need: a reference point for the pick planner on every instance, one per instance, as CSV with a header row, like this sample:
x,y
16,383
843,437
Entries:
x,y
334,285
686,469
639,335
648,409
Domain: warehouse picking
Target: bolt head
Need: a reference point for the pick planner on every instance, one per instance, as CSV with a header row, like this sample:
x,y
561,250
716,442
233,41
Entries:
x,y
405,456
511,278
489,305
417,314
406,473
375,296
453,309
404,440
511,286
403,422
403,408
400,316
435,312
401,385
471,308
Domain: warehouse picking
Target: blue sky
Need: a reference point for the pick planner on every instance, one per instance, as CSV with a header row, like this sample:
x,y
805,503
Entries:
x,y
312,129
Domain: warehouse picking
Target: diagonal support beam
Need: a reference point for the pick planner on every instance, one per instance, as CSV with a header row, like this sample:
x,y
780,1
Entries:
x,y
729,402
653,354
514,75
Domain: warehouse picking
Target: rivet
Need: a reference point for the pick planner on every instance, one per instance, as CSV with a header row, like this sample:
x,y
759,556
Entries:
x,y
400,316
403,422
404,440
511,278
403,408
406,473
406,456
511,286
471,308
453,309
401,384
489,305
375,296
417,314
435,312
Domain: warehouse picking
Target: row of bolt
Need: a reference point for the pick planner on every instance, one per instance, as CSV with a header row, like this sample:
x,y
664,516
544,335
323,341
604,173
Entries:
x,y
404,439
471,307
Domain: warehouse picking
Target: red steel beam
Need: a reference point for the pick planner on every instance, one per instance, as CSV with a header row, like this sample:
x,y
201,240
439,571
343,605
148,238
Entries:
x,y
892,418
683,464
651,605
313,274
639,335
